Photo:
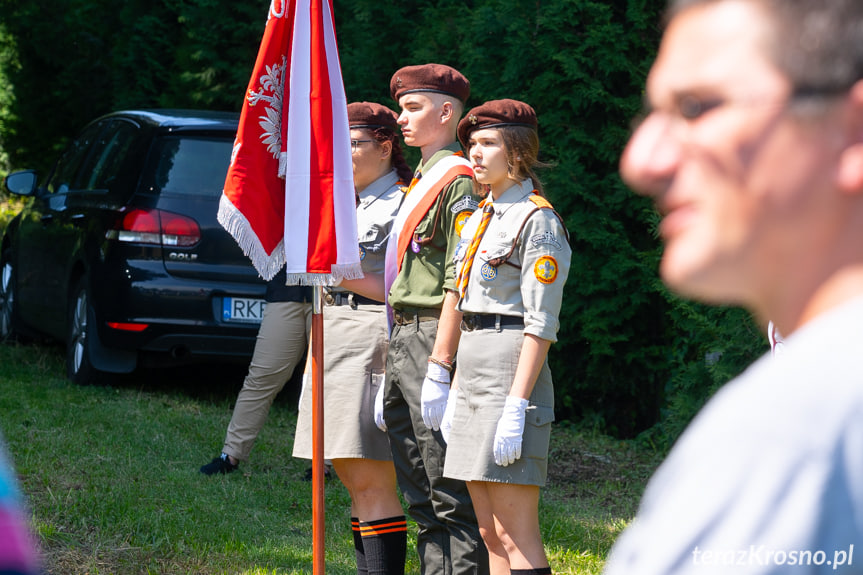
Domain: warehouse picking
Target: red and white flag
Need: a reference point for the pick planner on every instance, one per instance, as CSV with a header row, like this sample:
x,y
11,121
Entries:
x,y
289,194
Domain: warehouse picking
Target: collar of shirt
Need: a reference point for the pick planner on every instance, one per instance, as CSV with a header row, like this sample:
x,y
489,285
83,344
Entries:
x,y
377,188
512,196
437,156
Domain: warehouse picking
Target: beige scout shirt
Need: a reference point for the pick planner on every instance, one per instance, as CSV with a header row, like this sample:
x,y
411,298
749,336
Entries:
x,y
530,282
379,204
426,273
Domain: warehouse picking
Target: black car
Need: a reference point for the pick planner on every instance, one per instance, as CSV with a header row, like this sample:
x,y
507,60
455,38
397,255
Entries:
x,y
119,254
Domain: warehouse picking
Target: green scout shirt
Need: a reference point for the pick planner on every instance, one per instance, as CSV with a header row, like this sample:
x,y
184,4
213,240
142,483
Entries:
x,y
425,275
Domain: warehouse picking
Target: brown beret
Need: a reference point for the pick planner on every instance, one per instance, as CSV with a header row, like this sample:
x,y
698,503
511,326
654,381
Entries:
x,y
430,78
495,114
371,115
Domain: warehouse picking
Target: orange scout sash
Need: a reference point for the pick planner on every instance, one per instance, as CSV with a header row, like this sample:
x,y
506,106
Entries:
x,y
419,211
415,206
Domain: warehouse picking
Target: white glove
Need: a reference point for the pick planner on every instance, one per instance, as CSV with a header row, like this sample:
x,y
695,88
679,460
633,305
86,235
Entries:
x,y
434,395
446,422
379,407
510,428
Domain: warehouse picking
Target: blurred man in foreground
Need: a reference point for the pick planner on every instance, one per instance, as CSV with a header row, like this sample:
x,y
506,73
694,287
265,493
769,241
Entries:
x,y
752,149
18,554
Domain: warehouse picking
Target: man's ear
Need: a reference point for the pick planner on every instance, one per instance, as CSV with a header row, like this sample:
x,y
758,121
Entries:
x,y
446,112
849,176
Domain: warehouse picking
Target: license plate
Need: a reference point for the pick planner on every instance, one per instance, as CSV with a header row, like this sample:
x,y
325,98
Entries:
x,y
243,309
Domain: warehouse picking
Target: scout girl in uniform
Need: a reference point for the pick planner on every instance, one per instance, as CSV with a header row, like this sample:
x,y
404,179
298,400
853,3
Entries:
x,y
355,355
513,261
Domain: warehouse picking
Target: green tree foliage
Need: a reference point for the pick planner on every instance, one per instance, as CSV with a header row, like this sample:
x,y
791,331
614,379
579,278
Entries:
x,y
61,73
631,356
8,61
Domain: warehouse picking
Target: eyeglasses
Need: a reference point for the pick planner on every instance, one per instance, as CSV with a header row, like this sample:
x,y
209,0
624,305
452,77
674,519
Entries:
x,y
356,144
689,109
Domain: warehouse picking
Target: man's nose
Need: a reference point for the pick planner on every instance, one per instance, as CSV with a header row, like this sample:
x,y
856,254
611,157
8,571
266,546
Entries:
x,y
651,156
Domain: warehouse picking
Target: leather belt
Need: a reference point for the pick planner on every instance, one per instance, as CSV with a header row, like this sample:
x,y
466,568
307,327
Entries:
x,y
348,298
473,322
415,315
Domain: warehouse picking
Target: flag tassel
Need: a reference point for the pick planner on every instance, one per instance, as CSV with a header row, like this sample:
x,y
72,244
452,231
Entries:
x,y
346,271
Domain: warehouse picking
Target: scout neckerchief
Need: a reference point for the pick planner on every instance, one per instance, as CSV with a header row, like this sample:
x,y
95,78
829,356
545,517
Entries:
x,y
467,264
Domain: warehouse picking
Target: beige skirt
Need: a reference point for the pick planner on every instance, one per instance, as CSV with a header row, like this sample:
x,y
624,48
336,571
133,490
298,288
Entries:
x,y
487,360
355,350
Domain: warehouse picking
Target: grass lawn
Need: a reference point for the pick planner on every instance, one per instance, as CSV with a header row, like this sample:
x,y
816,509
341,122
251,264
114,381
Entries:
x,y
111,477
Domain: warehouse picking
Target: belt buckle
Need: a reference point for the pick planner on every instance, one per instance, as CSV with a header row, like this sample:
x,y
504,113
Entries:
x,y
470,322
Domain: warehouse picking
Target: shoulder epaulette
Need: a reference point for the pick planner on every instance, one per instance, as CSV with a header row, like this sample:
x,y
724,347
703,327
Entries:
x,y
540,201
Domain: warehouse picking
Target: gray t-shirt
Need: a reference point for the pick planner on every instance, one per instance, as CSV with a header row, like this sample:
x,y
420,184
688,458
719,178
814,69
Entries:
x,y
768,478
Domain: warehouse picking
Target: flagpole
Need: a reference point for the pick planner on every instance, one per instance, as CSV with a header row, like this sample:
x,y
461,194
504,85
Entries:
x,y
318,526
295,104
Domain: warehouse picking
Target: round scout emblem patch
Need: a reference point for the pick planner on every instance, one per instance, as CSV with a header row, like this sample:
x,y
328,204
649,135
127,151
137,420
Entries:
x,y
461,220
545,269
362,253
415,246
488,271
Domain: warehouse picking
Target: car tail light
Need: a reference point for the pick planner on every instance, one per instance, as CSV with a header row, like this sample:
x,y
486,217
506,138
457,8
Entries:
x,y
128,326
156,227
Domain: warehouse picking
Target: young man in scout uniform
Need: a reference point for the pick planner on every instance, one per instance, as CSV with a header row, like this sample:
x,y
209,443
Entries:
x,y
420,289
753,153
426,325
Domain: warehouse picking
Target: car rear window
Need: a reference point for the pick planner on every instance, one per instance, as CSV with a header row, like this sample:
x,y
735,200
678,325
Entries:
x,y
189,165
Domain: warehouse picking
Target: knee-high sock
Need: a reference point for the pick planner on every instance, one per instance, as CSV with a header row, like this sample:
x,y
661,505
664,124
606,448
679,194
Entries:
x,y
362,568
537,571
385,544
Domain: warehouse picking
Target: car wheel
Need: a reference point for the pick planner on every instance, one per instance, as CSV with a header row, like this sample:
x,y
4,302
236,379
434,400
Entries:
x,y
79,369
7,297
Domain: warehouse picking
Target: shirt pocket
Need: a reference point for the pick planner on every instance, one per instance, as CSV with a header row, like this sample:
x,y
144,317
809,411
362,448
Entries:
x,y
424,228
494,251
494,270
